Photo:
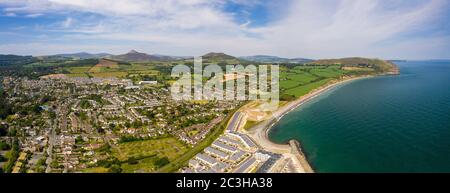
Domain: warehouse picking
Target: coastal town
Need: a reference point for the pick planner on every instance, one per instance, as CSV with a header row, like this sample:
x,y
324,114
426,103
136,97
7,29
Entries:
x,y
71,118
74,120
70,115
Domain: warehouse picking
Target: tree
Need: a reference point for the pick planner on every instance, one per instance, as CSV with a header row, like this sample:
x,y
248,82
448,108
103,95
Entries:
x,y
12,132
104,148
3,130
3,146
104,163
52,115
5,107
40,165
287,97
160,162
14,154
132,161
137,124
112,126
100,130
115,169
85,104
36,109
54,164
79,140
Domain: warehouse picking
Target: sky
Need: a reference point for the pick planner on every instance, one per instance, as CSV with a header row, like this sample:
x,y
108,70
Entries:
x,y
388,29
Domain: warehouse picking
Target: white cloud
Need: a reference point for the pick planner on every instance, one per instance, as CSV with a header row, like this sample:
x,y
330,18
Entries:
x,y
67,23
308,28
345,29
34,15
166,13
10,14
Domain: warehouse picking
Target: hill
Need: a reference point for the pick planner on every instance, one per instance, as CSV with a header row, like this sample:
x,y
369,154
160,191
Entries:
x,y
274,59
220,58
134,56
380,66
300,60
11,60
83,55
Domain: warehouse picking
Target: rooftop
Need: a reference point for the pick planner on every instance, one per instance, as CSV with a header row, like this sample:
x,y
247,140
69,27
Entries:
x,y
224,146
216,152
206,159
246,165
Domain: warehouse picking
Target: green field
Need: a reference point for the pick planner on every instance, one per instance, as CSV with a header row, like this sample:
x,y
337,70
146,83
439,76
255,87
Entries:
x,y
300,80
96,170
144,165
293,79
165,147
118,70
77,75
109,74
78,70
148,152
305,89
330,72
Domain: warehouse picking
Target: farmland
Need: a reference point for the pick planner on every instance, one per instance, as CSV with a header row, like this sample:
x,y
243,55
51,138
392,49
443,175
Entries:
x,y
102,68
295,80
300,80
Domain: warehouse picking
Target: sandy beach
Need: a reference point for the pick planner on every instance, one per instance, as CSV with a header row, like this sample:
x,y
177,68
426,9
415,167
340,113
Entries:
x,y
259,133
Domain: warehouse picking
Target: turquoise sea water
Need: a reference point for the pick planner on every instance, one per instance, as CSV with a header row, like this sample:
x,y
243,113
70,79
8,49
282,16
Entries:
x,y
383,124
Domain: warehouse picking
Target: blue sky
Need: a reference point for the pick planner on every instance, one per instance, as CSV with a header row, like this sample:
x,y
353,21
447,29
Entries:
x,y
390,29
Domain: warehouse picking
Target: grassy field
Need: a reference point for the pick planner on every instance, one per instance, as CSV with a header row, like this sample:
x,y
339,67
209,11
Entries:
x,y
77,75
293,79
78,70
110,69
362,69
250,124
300,80
166,147
329,72
109,74
148,152
96,170
145,72
144,165
305,89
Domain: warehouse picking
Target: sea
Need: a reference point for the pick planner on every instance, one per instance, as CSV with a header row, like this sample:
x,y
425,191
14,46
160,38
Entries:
x,y
381,124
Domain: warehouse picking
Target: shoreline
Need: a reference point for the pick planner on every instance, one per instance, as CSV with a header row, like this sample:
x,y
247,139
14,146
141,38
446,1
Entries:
x,y
260,132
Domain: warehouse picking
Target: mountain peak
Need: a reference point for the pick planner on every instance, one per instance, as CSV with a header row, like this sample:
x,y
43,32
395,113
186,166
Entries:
x,y
135,56
218,55
215,54
133,52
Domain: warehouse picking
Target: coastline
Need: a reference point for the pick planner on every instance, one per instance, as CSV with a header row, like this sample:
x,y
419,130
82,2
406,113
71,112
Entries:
x,y
260,132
